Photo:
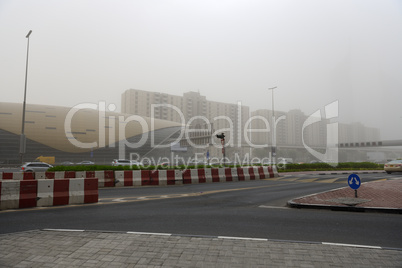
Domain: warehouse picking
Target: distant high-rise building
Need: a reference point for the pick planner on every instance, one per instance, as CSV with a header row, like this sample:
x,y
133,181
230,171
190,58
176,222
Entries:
x,y
201,114
290,132
192,109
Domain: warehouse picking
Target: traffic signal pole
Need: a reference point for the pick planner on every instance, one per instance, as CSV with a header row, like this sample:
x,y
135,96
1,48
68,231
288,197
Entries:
x,y
222,137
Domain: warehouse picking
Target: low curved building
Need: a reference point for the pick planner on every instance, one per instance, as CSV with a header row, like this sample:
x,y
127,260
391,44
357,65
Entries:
x,y
82,133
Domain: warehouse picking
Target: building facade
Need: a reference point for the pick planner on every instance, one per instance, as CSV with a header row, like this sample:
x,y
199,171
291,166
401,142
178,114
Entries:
x,y
75,135
202,117
290,132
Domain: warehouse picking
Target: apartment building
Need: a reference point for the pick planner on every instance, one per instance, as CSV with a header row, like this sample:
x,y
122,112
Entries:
x,y
195,111
290,131
358,133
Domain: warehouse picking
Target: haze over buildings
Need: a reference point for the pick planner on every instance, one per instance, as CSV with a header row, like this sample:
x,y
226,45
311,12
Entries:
x,y
316,52
236,120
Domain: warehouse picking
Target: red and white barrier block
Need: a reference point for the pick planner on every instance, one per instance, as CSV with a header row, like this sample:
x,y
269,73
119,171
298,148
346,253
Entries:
x,y
168,177
270,172
55,175
105,177
193,176
216,175
17,176
17,194
248,173
32,193
126,178
225,174
67,191
208,175
275,171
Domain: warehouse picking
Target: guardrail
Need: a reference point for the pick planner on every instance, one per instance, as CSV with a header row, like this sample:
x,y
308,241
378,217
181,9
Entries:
x,y
41,193
122,178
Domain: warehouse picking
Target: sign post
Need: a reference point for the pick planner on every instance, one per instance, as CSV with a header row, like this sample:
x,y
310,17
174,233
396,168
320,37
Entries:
x,y
222,137
354,182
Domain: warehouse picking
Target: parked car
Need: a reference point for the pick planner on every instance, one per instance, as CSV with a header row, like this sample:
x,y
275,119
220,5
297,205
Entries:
x,y
35,167
121,162
67,163
393,166
316,161
195,162
285,160
124,162
146,162
86,163
164,164
136,163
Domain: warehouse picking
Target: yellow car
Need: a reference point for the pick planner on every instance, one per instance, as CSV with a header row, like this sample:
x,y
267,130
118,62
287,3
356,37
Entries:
x,y
393,166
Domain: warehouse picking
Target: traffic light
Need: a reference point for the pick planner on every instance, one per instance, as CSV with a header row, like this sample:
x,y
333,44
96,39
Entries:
x,y
221,136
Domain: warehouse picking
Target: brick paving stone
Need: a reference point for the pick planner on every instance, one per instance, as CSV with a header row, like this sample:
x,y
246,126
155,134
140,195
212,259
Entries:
x,y
92,249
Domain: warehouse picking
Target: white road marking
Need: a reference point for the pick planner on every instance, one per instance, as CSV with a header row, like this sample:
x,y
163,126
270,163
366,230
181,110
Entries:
x,y
263,206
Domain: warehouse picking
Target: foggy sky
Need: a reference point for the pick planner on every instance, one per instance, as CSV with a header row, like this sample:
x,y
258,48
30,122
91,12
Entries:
x,y
315,52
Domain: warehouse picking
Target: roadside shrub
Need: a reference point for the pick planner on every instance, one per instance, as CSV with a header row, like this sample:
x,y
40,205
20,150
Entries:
x,y
328,167
281,168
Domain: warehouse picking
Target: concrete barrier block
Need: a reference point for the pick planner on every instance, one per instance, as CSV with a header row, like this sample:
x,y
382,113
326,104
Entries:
x,y
137,178
222,174
91,193
45,193
234,175
28,193
40,175
208,175
240,173
77,193
178,177
194,176
119,176
161,175
10,194
256,172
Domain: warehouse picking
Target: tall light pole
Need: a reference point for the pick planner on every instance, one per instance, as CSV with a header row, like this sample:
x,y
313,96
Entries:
x,y
273,148
22,138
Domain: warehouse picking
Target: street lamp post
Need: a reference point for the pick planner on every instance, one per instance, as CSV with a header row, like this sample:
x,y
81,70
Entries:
x,y
22,138
273,147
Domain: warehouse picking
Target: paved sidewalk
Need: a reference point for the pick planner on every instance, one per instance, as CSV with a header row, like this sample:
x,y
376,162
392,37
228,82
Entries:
x,y
51,248
379,196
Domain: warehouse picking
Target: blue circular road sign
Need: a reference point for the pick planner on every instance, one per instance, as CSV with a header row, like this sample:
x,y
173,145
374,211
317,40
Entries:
x,y
354,181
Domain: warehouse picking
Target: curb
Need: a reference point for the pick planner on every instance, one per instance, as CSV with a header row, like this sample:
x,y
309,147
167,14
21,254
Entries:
x,y
224,238
352,171
336,172
352,208
293,204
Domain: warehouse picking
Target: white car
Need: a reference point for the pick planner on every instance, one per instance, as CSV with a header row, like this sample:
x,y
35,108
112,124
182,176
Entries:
x,y
35,166
121,162
86,163
393,166
195,163
136,163
124,162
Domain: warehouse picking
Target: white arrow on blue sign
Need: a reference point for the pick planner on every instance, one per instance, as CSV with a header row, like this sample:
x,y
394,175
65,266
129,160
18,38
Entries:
x,y
354,181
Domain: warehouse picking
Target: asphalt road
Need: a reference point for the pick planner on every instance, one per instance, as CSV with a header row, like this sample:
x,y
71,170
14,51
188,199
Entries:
x,y
243,209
